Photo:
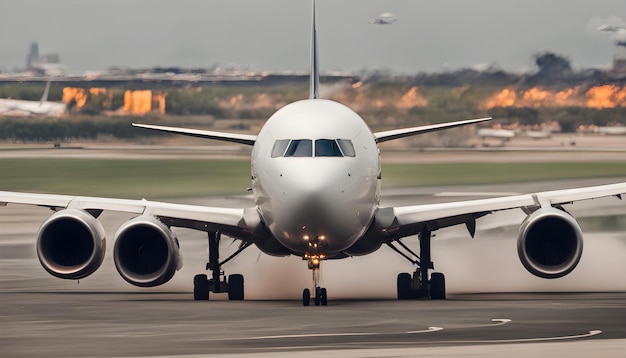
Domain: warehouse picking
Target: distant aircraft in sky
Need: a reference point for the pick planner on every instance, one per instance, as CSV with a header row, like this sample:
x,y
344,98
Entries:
x,y
24,107
316,182
611,28
386,18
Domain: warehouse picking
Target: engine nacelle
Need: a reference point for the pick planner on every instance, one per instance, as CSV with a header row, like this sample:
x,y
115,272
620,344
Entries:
x,y
550,243
146,252
71,244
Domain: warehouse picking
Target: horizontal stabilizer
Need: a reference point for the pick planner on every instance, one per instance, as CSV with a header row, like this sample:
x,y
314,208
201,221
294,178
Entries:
x,y
225,137
407,132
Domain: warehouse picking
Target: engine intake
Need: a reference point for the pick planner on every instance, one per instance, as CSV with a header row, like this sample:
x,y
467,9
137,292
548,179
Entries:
x,y
146,252
550,243
71,244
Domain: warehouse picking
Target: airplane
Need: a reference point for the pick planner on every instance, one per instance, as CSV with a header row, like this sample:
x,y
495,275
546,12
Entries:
x,y
611,28
542,134
24,107
504,134
316,181
386,18
611,130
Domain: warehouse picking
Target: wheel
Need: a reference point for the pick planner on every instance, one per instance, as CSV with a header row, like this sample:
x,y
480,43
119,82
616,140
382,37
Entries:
x,y
306,297
404,286
235,287
324,297
437,286
200,288
318,294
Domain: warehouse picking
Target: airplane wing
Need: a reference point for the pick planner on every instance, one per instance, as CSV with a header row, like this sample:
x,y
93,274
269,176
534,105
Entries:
x,y
408,220
222,136
236,223
406,132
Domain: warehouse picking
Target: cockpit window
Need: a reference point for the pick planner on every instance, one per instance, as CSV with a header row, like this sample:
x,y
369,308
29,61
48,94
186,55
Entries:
x,y
327,148
279,147
300,148
304,148
346,147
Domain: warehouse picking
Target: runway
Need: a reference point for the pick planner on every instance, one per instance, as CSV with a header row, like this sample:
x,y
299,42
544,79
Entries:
x,y
102,316
84,324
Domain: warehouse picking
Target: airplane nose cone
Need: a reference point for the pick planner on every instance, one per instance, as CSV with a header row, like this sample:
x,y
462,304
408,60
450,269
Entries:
x,y
319,197
316,182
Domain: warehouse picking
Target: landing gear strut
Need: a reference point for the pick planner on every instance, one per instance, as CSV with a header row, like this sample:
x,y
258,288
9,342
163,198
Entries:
x,y
202,285
418,285
321,296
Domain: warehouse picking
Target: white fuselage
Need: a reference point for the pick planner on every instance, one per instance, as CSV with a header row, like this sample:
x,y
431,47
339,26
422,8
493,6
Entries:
x,y
312,203
18,106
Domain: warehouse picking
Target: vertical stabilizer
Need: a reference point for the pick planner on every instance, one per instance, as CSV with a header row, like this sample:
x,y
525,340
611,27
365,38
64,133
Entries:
x,y
315,74
44,98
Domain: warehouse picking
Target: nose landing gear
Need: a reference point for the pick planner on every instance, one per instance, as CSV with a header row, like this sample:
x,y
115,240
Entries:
x,y
321,296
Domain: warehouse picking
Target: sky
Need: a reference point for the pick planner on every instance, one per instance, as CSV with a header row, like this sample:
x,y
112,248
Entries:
x,y
274,35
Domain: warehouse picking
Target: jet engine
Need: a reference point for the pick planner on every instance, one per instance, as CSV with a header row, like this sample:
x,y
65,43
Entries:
x,y
146,252
550,243
71,244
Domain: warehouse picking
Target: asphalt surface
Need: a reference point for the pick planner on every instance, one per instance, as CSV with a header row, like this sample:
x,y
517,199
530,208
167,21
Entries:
x,y
495,308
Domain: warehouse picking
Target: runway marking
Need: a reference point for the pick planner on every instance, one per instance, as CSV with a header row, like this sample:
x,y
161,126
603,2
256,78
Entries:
x,y
310,335
430,329
500,321
540,339
313,335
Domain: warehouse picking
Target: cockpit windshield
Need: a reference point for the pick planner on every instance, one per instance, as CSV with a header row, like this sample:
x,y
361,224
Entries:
x,y
327,148
300,148
304,148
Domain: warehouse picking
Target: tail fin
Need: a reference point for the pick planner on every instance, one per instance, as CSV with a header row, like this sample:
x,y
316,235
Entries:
x,y
44,98
315,74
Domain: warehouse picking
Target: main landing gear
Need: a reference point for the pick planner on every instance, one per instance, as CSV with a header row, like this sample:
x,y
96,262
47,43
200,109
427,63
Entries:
x,y
202,285
321,296
418,285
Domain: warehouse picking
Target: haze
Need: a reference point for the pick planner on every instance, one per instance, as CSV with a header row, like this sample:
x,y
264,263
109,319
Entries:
x,y
273,35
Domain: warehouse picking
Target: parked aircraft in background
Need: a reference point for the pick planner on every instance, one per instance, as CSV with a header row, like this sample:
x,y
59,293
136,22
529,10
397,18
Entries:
x,y
612,130
386,18
24,107
316,179
504,134
544,134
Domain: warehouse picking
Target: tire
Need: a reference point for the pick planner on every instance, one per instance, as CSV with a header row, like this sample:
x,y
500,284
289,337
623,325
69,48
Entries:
x,y
437,286
306,297
318,294
200,288
404,286
235,287
324,297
